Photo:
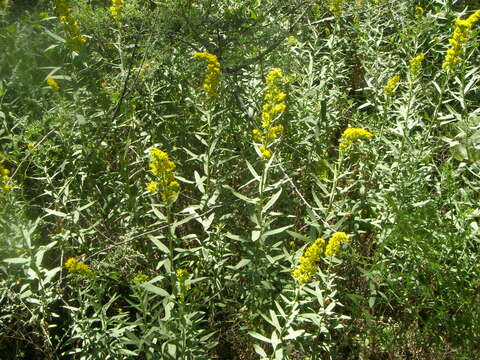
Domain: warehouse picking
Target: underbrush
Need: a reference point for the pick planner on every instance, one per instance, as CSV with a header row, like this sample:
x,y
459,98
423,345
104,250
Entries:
x,y
239,180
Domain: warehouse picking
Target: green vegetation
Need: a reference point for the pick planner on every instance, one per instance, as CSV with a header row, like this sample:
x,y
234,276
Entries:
x,y
227,179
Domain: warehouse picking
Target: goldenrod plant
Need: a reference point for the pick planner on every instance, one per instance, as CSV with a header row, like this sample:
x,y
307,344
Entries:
x,y
239,179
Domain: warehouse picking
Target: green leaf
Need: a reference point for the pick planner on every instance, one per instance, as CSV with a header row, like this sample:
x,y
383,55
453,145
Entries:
x,y
199,181
240,196
56,213
276,231
260,351
293,334
154,289
161,246
272,201
16,261
259,337
240,264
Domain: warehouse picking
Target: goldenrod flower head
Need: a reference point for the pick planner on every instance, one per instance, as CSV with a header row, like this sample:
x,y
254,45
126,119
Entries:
x,y
75,39
140,277
460,37
308,262
292,40
162,168
335,242
391,85
159,162
53,84
182,277
418,11
352,135
416,63
77,267
116,9
274,106
210,81
266,154
336,6
4,179
31,145
152,186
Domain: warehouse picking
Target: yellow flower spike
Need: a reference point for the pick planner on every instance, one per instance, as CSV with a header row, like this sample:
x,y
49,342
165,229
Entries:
x,y
274,106
459,38
4,179
162,168
391,85
116,9
334,243
210,81
140,277
75,39
416,63
152,186
53,84
77,267
182,277
352,135
418,11
308,262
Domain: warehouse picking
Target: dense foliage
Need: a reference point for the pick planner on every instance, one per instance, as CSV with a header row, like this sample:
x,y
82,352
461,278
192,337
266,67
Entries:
x,y
229,179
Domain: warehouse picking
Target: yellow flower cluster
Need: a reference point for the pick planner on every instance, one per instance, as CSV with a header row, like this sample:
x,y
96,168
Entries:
x,y
336,6
140,277
418,11
116,9
391,85
53,84
210,82
4,178
351,135
308,262
71,25
77,267
162,168
182,276
274,106
460,36
335,243
416,63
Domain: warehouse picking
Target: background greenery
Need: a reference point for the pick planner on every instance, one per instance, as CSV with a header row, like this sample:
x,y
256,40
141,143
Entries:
x,y
406,287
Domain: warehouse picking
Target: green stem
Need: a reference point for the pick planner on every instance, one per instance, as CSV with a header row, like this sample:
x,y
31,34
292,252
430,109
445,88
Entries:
x,y
336,172
170,246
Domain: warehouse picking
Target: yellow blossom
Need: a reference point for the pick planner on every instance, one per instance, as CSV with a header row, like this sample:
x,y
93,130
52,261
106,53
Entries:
x,y
335,242
140,277
460,37
182,277
352,135
116,9
308,262
75,38
391,85
152,186
210,81
416,63
274,106
162,168
336,6
4,179
31,145
77,267
418,11
53,84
